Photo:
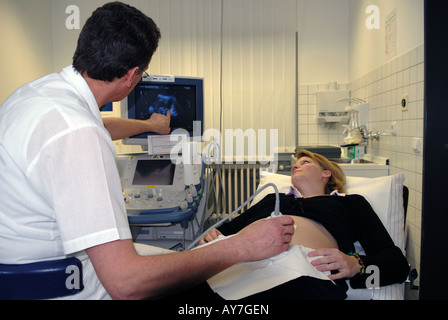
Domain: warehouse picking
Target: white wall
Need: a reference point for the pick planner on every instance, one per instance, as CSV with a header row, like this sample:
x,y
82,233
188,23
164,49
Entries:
x,y
323,42
322,27
64,39
26,43
367,48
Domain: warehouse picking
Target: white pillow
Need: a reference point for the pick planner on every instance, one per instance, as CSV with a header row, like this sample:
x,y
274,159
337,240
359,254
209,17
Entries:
x,y
283,183
385,195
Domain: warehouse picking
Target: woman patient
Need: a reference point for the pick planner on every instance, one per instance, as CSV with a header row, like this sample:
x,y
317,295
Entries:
x,y
330,222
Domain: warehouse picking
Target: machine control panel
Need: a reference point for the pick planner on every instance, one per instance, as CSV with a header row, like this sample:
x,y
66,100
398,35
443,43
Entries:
x,y
154,185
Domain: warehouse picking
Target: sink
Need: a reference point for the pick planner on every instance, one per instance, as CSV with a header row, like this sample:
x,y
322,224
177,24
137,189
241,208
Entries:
x,y
350,161
362,167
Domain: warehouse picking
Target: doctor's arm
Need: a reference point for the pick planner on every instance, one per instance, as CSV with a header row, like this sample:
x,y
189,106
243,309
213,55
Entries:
x,y
120,128
126,275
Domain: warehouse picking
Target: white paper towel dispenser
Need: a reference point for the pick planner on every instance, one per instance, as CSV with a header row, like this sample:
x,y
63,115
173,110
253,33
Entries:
x,y
331,106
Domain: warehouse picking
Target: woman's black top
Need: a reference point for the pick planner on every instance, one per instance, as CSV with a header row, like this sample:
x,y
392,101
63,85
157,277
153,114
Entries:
x,y
349,219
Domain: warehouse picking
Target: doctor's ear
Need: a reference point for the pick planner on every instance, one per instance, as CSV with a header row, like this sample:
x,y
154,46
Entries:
x,y
131,76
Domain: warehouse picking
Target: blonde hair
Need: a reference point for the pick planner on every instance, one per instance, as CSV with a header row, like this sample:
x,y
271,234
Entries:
x,y
337,179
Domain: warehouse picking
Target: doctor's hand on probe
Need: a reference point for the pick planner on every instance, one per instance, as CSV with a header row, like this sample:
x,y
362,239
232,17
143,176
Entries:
x,y
333,259
261,239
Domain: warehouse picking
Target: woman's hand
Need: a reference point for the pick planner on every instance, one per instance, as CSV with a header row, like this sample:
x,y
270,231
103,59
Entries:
x,y
333,259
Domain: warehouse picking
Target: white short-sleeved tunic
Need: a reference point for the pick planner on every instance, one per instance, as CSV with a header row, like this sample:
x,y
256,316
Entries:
x,y
60,191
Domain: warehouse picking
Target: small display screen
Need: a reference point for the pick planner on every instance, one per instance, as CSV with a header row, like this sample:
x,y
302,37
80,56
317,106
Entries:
x,y
154,173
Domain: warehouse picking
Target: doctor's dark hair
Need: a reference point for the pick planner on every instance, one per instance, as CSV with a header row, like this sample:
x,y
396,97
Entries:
x,y
116,38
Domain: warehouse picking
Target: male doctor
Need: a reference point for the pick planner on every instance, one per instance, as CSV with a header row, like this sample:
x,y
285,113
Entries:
x,y
60,192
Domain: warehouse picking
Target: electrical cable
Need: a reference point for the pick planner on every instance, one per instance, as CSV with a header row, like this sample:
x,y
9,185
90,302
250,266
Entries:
x,y
275,213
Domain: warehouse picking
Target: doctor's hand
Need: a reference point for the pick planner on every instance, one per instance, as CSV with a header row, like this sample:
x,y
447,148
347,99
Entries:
x,y
212,235
333,259
265,238
160,123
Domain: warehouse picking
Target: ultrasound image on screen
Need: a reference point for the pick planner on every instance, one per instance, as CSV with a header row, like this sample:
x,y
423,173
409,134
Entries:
x,y
154,173
179,99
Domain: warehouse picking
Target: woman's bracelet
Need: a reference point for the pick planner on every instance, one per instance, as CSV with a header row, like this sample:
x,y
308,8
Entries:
x,y
360,261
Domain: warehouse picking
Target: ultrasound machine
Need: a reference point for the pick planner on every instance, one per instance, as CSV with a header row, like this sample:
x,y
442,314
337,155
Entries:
x,y
165,197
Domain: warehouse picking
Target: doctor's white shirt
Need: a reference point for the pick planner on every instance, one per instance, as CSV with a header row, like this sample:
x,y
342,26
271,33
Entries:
x,y
60,191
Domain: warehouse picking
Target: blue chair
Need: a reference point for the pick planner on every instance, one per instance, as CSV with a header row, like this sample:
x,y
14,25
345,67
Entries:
x,y
41,280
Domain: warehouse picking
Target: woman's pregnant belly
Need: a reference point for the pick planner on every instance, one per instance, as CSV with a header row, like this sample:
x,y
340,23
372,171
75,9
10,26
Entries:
x,y
312,234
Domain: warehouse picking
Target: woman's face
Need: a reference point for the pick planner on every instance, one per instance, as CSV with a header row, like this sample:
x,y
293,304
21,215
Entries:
x,y
306,170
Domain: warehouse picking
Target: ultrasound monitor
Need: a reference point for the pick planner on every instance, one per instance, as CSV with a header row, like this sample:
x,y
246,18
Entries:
x,y
183,96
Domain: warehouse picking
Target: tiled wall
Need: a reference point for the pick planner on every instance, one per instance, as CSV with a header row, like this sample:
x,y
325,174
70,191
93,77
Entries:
x,y
383,88
310,132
